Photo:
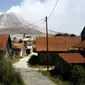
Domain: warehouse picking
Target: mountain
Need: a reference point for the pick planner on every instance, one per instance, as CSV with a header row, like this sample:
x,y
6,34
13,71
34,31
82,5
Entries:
x,y
52,32
10,23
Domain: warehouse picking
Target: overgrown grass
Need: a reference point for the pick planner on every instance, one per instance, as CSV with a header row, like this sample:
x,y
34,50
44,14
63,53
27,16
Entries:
x,y
14,60
8,75
39,66
32,66
56,79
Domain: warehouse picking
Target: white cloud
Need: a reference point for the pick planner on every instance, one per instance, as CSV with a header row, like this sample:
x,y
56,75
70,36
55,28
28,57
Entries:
x,y
15,9
1,13
69,15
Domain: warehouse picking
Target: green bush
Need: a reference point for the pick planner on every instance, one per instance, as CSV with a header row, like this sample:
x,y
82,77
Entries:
x,y
8,75
33,60
78,75
14,60
57,79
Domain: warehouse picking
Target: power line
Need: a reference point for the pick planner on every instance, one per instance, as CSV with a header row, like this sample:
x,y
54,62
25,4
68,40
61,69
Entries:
x,y
36,22
43,22
53,9
44,18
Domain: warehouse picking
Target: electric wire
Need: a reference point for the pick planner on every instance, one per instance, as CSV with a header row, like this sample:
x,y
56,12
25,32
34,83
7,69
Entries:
x,y
53,9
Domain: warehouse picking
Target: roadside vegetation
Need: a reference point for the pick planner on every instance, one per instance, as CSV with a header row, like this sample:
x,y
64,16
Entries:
x,y
8,75
34,63
75,77
57,79
14,60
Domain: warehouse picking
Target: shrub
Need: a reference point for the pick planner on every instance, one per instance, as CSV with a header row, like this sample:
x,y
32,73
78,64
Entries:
x,y
59,34
8,75
78,75
72,35
33,60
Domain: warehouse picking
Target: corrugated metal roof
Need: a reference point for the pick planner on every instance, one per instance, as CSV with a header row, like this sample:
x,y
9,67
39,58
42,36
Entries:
x,y
3,41
72,57
56,43
80,45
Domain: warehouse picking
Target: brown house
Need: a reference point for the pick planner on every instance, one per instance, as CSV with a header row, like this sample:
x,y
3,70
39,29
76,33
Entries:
x,y
80,45
56,45
18,49
67,60
28,43
5,45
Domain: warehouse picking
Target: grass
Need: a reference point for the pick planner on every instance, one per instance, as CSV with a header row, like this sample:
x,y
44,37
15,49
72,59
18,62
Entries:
x,y
32,66
8,75
56,79
14,60
39,66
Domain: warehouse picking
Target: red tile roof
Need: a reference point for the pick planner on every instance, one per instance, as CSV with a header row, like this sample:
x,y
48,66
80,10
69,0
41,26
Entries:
x,y
3,41
56,43
18,45
72,57
80,45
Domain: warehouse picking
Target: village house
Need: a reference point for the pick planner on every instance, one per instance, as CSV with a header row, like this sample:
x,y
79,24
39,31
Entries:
x,y
56,45
67,60
28,43
81,45
5,45
18,49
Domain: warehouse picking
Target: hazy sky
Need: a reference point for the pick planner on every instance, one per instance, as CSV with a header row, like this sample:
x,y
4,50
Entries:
x,y
69,15
6,4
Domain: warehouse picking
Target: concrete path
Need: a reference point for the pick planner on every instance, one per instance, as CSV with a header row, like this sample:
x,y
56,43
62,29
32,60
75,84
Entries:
x,y
30,76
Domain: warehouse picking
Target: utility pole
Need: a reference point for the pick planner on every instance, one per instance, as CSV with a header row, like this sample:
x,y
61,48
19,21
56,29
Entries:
x,y
47,43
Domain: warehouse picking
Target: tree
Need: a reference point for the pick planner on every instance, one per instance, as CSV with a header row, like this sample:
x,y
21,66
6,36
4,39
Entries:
x,y
59,34
72,35
66,34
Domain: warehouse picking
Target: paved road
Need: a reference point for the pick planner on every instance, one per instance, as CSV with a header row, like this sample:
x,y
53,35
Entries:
x,y
30,76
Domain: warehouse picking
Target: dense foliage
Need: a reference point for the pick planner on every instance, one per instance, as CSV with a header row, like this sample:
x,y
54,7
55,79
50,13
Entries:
x,y
33,60
78,75
65,34
8,75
